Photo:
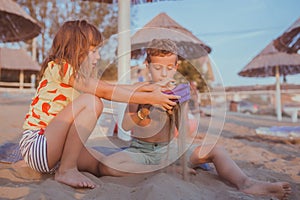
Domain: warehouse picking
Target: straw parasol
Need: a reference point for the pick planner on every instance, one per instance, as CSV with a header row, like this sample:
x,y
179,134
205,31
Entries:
x,y
162,27
271,62
133,2
15,23
289,41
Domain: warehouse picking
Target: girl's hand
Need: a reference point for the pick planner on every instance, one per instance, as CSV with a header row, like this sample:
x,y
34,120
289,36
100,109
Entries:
x,y
164,100
166,84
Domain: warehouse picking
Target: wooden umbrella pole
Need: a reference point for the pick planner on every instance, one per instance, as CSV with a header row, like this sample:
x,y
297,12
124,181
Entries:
x,y
182,140
278,95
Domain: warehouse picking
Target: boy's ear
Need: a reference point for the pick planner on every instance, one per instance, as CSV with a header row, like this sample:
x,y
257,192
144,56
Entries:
x,y
146,63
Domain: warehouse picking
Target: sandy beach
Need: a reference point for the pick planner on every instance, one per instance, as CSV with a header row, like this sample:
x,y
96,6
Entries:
x,y
264,158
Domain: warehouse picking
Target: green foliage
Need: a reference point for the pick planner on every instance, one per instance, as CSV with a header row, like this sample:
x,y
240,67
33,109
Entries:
x,y
107,70
51,14
192,71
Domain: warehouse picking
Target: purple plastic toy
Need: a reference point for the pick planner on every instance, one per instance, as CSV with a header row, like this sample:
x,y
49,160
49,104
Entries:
x,y
182,90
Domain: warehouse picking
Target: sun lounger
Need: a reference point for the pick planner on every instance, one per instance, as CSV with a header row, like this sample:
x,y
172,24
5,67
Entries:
x,y
280,131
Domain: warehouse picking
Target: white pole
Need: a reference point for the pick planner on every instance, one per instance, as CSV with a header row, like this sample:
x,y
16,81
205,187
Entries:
x,y
34,49
278,95
21,79
124,50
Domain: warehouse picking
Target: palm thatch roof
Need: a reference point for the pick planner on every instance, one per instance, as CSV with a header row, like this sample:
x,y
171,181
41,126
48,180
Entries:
x,y
164,27
264,64
289,41
132,1
17,59
15,23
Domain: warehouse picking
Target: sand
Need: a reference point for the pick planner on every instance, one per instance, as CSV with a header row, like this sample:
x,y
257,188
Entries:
x,y
264,158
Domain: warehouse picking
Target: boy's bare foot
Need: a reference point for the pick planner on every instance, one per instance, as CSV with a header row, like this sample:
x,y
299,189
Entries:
x,y
74,178
280,190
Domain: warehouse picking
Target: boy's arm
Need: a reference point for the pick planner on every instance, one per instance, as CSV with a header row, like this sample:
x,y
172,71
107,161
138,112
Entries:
x,y
134,117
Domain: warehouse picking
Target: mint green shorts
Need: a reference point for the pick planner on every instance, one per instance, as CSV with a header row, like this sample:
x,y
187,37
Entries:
x,y
149,153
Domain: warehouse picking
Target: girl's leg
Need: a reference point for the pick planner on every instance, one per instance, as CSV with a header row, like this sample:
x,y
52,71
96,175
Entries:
x,y
66,135
228,170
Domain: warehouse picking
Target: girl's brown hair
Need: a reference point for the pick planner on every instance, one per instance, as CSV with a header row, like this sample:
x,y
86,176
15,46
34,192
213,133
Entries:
x,y
72,43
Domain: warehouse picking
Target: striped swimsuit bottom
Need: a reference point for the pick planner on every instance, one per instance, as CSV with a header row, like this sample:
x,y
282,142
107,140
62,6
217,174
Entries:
x,y
33,148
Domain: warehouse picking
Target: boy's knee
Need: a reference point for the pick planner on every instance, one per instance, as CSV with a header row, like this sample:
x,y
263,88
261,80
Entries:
x,y
217,149
106,169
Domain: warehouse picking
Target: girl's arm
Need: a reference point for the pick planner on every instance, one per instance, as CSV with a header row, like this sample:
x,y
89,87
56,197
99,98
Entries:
x,y
147,87
129,93
139,87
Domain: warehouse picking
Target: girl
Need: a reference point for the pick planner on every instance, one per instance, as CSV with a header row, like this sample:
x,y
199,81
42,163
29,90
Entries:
x,y
67,104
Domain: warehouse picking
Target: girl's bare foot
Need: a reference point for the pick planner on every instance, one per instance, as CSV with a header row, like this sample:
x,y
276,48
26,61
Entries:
x,y
74,178
280,190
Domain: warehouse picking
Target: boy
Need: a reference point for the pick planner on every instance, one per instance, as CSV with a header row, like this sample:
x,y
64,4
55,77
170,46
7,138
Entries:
x,y
154,142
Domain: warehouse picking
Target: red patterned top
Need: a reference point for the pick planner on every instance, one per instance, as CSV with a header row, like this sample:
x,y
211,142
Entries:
x,y
52,95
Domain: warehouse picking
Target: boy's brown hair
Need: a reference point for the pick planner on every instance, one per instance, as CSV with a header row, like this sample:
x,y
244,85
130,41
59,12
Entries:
x,y
161,47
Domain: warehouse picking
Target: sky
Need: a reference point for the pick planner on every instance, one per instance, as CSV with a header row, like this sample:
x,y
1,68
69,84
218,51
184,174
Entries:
x,y
235,30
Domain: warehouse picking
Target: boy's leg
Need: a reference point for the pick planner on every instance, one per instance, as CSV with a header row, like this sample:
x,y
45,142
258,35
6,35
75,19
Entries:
x,y
123,164
66,135
225,166
228,170
90,161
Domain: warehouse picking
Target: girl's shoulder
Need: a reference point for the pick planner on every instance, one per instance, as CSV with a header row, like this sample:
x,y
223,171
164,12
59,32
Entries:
x,y
63,68
59,65
59,71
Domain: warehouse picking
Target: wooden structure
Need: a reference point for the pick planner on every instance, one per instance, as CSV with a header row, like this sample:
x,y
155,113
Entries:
x,y
17,69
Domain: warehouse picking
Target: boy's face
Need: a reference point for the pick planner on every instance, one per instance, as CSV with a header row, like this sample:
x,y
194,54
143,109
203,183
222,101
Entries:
x,y
162,68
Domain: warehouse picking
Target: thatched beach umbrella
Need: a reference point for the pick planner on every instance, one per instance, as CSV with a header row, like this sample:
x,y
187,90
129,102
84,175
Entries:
x,y
15,23
133,2
271,62
164,27
289,41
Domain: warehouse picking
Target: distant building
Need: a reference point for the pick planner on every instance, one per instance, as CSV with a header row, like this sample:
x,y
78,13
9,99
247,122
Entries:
x,y
17,69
